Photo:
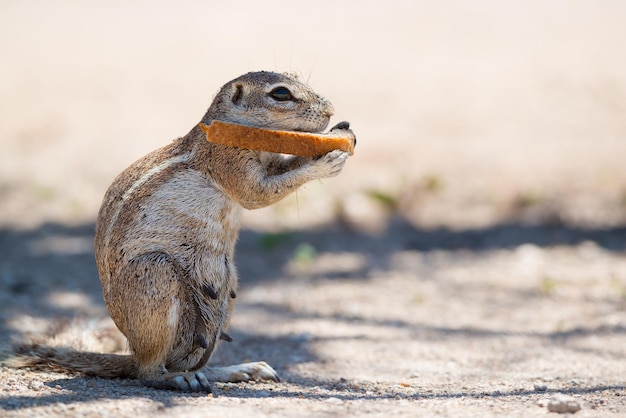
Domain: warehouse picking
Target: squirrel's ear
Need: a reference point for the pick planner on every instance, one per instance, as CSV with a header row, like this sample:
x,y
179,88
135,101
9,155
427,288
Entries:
x,y
237,93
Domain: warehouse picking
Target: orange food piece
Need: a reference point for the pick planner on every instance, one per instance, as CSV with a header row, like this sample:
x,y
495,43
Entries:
x,y
305,144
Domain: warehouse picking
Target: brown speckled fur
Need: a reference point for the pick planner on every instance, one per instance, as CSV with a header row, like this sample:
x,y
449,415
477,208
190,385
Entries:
x,y
166,233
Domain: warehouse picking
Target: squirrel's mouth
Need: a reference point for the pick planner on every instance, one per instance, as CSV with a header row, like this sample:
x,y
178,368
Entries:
x,y
310,129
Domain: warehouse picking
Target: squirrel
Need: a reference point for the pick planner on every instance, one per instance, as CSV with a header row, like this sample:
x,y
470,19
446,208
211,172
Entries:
x,y
166,232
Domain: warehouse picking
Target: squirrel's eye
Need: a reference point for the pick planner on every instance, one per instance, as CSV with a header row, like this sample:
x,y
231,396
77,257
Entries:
x,y
281,94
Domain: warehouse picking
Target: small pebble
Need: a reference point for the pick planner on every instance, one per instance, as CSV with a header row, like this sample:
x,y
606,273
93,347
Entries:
x,y
563,404
36,385
540,387
334,400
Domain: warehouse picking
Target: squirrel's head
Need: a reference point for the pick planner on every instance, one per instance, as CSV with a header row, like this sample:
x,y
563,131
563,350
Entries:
x,y
270,100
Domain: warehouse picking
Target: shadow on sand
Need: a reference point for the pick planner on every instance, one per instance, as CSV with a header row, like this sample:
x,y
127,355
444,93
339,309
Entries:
x,y
59,258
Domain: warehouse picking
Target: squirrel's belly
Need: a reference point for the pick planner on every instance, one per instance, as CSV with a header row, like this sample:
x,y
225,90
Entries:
x,y
186,215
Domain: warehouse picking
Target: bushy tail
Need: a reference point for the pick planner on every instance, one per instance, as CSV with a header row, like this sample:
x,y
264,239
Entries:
x,y
45,357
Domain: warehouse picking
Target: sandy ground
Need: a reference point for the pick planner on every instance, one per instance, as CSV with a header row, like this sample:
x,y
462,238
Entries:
x,y
469,261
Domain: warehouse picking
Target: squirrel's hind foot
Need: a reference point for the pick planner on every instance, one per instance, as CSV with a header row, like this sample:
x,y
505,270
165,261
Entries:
x,y
258,371
185,381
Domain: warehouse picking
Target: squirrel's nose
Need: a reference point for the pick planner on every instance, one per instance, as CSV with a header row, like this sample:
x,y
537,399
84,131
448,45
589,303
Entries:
x,y
341,125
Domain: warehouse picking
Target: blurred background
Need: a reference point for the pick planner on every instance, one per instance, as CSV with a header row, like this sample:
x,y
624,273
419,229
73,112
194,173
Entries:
x,y
467,112
482,126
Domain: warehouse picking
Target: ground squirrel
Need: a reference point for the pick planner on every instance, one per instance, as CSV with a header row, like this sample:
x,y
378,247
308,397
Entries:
x,y
166,232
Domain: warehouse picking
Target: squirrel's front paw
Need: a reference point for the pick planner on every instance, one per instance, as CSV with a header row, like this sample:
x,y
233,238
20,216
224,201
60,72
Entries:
x,y
329,165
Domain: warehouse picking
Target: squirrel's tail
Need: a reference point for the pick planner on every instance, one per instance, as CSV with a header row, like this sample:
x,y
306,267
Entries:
x,y
44,357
